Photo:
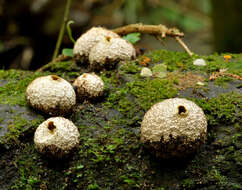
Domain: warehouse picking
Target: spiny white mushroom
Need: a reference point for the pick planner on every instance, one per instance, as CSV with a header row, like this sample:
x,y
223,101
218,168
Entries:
x,y
108,51
86,41
174,128
56,137
51,94
89,85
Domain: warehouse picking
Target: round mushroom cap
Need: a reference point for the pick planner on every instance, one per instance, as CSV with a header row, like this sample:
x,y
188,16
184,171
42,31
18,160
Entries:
x,y
56,137
87,40
51,94
108,51
89,85
174,128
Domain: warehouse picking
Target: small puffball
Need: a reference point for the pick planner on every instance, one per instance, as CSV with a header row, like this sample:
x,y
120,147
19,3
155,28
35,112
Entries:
x,y
56,137
199,62
86,42
175,127
89,85
146,72
51,94
108,51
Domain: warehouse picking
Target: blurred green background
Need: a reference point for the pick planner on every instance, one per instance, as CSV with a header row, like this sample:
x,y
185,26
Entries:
x,y
29,28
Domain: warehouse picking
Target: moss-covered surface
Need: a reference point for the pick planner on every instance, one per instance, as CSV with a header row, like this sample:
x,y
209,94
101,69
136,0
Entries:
x,y
110,155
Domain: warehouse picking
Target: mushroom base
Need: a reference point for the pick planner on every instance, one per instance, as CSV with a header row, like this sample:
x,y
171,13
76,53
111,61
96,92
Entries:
x,y
82,59
180,147
56,111
82,95
53,151
108,64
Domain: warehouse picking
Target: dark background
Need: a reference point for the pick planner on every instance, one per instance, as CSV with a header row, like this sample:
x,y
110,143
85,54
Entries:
x,y
29,28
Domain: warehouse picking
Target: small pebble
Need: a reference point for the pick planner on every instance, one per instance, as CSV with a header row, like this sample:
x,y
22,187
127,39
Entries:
x,y
146,72
200,83
199,62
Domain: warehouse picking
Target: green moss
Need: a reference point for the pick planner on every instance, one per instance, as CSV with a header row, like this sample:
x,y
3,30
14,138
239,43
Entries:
x,y
173,60
93,187
103,154
151,91
217,62
18,125
138,94
159,70
215,176
181,61
188,183
13,92
32,170
65,69
220,168
223,109
61,66
110,154
223,81
130,67
1,119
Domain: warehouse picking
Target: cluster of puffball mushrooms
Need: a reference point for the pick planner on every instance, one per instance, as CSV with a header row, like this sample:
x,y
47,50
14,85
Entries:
x,y
102,48
172,128
53,95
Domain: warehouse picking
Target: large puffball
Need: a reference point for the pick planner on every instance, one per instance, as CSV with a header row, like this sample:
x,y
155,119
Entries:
x,y
108,51
89,85
174,128
51,94
87,40
56,137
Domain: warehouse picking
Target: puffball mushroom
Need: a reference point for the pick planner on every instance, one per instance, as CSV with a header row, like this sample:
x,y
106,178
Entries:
x,y
109,51
89,85
51,94
86,41
174,128
56,137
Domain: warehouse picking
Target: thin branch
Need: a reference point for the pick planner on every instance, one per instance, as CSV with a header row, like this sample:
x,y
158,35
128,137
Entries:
x,y
60,58
183,45
159,31
216,75
149,29
62,30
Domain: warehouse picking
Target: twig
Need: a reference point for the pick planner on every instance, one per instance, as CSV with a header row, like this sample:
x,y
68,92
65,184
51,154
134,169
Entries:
x,y
159,31
215,75
62,30
183,45
60,58
149,29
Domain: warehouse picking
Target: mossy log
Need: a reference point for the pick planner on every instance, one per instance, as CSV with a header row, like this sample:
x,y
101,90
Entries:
x,y
110,154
